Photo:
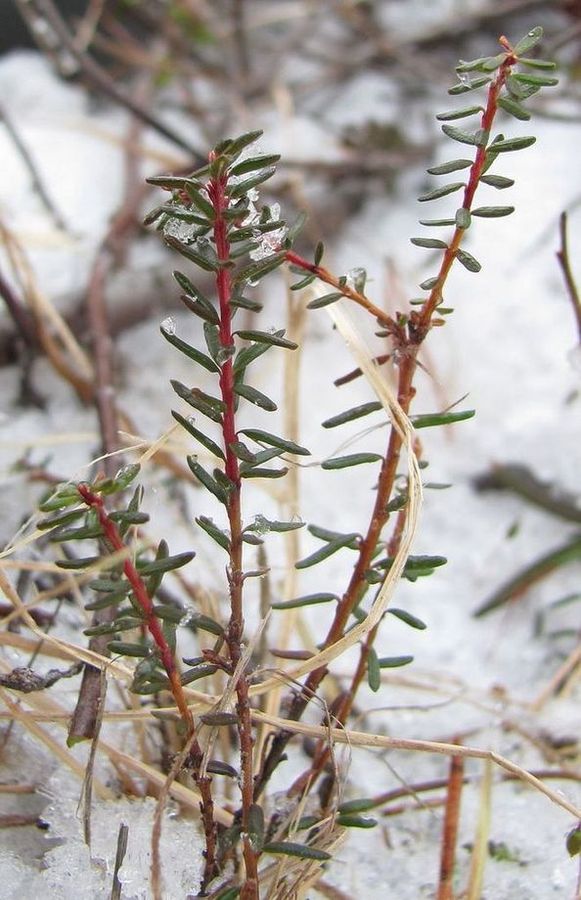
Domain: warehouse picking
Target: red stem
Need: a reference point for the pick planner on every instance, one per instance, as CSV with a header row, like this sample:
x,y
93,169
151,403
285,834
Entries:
x,y
407,343
217,192
140,592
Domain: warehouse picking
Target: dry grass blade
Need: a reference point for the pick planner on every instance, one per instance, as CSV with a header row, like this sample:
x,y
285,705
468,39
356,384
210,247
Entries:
x,y
480,849
362,739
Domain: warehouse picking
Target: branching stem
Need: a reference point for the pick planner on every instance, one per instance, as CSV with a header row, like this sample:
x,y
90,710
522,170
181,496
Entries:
x,y
408,342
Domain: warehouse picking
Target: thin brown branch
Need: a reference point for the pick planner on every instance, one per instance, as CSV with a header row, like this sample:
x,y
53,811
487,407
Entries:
x,y
408,334
450,829
38,185
97,76
565,263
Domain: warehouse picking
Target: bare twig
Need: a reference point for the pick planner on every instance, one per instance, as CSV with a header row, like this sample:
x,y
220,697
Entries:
x,y
26,680
37,182
565,263
46,10
450,829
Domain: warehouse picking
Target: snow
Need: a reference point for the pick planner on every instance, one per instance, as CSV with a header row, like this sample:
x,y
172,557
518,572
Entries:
x,y
510,344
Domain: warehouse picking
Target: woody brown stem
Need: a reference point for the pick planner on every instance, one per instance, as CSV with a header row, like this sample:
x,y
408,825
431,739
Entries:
x,y
408,341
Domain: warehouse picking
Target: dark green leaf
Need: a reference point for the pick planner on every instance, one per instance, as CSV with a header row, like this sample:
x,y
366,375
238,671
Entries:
x,y
429,283
218,718
204,623
217,534
254,396
264,437
471,65
493,63
120,648
273,339
288,848
468,261
173,614
349,415
192,291
242,188
240,302
432,223
493,212
190,252
417,563
453,166
445,418
325,534
241,234
263,526
320,302
530,40
252,163
457,134
394,662
112,598
441,191
206,479
520,91
200,202
514,108
303,283
165,564
538,63
252,471
306,600
65,495
203,439
252,539
201,671
408,618
211,407
429,243
536,80
470,85
319,250
352,459
84,532
124,517
452,114
172,182
574,841
357,806
255,829
397,503
497,181
107,584
78,563
353,821
248,354
212,338
295,229
517,143
373,670
463,218
257,270
63,519
233,147
191,352
105,628
326,551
